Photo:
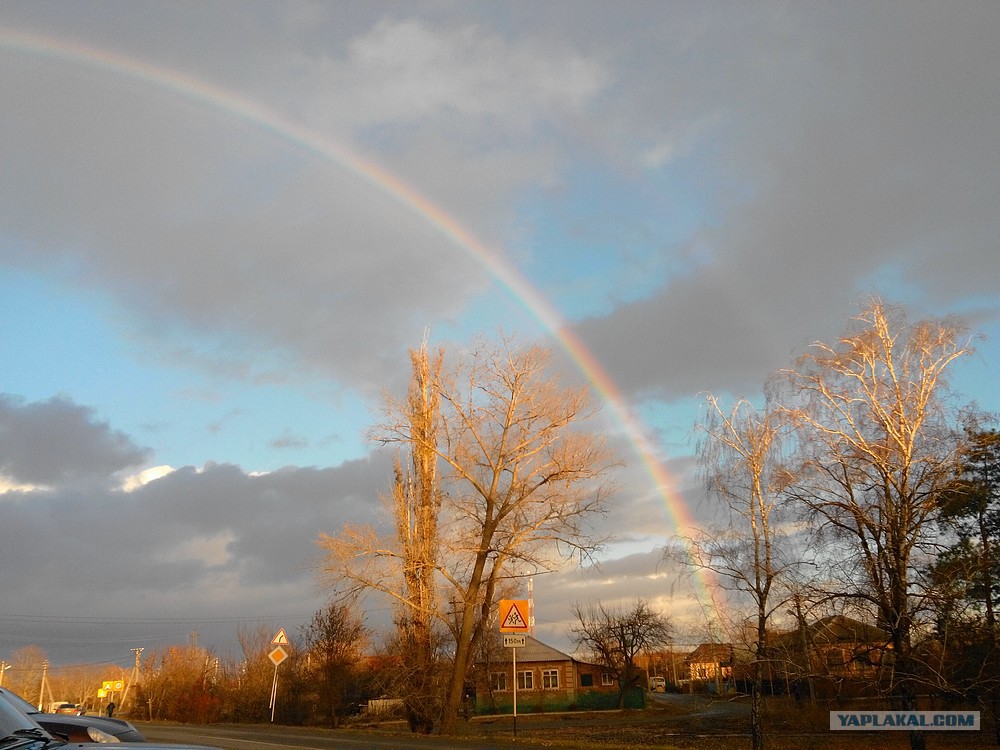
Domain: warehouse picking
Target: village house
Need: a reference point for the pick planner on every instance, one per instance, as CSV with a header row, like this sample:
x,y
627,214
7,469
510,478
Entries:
x,y
710,663
546,679
831,653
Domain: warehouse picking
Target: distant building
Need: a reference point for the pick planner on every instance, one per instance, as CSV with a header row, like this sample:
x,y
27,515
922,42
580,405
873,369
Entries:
x,y
710,662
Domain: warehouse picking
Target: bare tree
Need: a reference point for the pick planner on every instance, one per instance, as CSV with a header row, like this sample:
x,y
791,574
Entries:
x,y
877,444
25,675
615,636
739,454
333,641
416,502
516,481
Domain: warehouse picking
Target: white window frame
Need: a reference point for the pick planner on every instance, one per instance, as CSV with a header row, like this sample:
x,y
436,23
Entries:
x,y
607,678
526,680
550,679
498,682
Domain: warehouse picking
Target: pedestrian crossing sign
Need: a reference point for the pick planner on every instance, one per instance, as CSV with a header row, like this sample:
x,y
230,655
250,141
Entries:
x,y
514,616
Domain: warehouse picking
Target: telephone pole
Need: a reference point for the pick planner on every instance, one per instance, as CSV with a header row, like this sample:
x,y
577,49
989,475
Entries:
x,y
134,677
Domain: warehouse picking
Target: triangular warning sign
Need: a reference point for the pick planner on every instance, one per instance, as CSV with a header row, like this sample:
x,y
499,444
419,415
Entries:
x,y
280,639
514,616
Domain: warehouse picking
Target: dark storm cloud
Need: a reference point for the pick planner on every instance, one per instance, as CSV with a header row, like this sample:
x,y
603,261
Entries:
x,y
55,442
194,545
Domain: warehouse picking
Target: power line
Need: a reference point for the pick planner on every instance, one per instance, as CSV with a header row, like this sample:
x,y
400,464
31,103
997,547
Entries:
x,y
85,620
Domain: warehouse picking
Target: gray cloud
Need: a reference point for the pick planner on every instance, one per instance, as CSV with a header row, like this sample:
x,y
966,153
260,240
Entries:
x,y
831,150
57,441
867,163
197,549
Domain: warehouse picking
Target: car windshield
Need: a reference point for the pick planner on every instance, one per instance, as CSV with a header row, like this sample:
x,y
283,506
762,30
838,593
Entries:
x,y
18,702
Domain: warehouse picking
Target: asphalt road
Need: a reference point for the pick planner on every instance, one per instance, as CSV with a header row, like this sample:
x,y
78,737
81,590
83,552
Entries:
x,y
238,737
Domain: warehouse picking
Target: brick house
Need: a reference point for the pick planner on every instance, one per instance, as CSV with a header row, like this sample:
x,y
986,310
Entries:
x,y
837,653
710,662
547,680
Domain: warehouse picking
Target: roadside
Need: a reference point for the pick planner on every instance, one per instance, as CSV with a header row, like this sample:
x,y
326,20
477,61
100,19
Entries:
x,y
681,722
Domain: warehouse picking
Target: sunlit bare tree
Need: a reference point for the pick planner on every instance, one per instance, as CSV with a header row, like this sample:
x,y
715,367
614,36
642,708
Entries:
x,y
877,444
739,453
517,479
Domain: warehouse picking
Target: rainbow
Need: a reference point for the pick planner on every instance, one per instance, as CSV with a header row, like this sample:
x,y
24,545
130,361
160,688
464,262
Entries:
x,y
266,119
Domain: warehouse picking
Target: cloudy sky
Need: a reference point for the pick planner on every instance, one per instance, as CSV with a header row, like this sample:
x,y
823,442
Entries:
x,y
222,225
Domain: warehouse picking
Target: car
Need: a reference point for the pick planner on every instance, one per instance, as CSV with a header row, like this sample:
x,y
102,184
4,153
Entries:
x,y
73,725
19,731
65,707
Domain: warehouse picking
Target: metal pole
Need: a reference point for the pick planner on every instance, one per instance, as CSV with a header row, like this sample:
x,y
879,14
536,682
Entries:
x,y
514,652
274,692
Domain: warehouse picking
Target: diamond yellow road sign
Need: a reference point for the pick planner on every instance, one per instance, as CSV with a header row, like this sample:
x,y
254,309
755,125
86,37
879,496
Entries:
x,y
278,655
514,616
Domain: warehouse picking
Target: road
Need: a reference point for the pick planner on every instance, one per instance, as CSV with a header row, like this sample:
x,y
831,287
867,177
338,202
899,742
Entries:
x,y
241,737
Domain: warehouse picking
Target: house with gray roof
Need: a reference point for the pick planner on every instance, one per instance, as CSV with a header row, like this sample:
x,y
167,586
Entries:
x,y
546,680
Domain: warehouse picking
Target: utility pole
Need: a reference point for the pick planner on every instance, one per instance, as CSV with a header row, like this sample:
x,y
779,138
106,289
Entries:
x,y
4,666
42,688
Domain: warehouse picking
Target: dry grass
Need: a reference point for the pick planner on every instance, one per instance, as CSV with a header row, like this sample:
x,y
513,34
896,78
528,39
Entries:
x,y
787,727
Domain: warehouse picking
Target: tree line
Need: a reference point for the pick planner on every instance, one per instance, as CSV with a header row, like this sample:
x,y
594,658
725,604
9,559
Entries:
x,y
860,484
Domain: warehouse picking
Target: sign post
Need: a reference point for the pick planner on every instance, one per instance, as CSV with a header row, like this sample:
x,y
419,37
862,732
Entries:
x,y
514,625
277,656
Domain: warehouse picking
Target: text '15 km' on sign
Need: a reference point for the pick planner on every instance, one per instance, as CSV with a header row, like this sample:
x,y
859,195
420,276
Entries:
x,y
514,616
512,640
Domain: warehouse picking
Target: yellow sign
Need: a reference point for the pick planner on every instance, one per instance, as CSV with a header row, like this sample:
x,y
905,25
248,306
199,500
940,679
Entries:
x,y
278,655
514,616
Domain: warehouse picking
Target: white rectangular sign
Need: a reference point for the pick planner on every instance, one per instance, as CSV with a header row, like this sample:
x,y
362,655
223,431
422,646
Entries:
x,y
513,641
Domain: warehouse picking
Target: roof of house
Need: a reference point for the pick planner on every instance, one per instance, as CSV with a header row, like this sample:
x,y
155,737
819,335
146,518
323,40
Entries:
x,y
833,629
534,651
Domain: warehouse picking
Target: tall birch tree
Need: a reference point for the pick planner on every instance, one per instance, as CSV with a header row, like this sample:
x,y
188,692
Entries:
x,y
738,452
878,442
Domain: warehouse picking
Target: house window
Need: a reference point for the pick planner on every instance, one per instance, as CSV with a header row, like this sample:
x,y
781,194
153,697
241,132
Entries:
x,y
525,681
498,681
607,678
586,680
550,679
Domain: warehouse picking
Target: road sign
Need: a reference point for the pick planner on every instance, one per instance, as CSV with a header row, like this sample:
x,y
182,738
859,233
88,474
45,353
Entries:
x,y
512,640
280,639
278,655
514,616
